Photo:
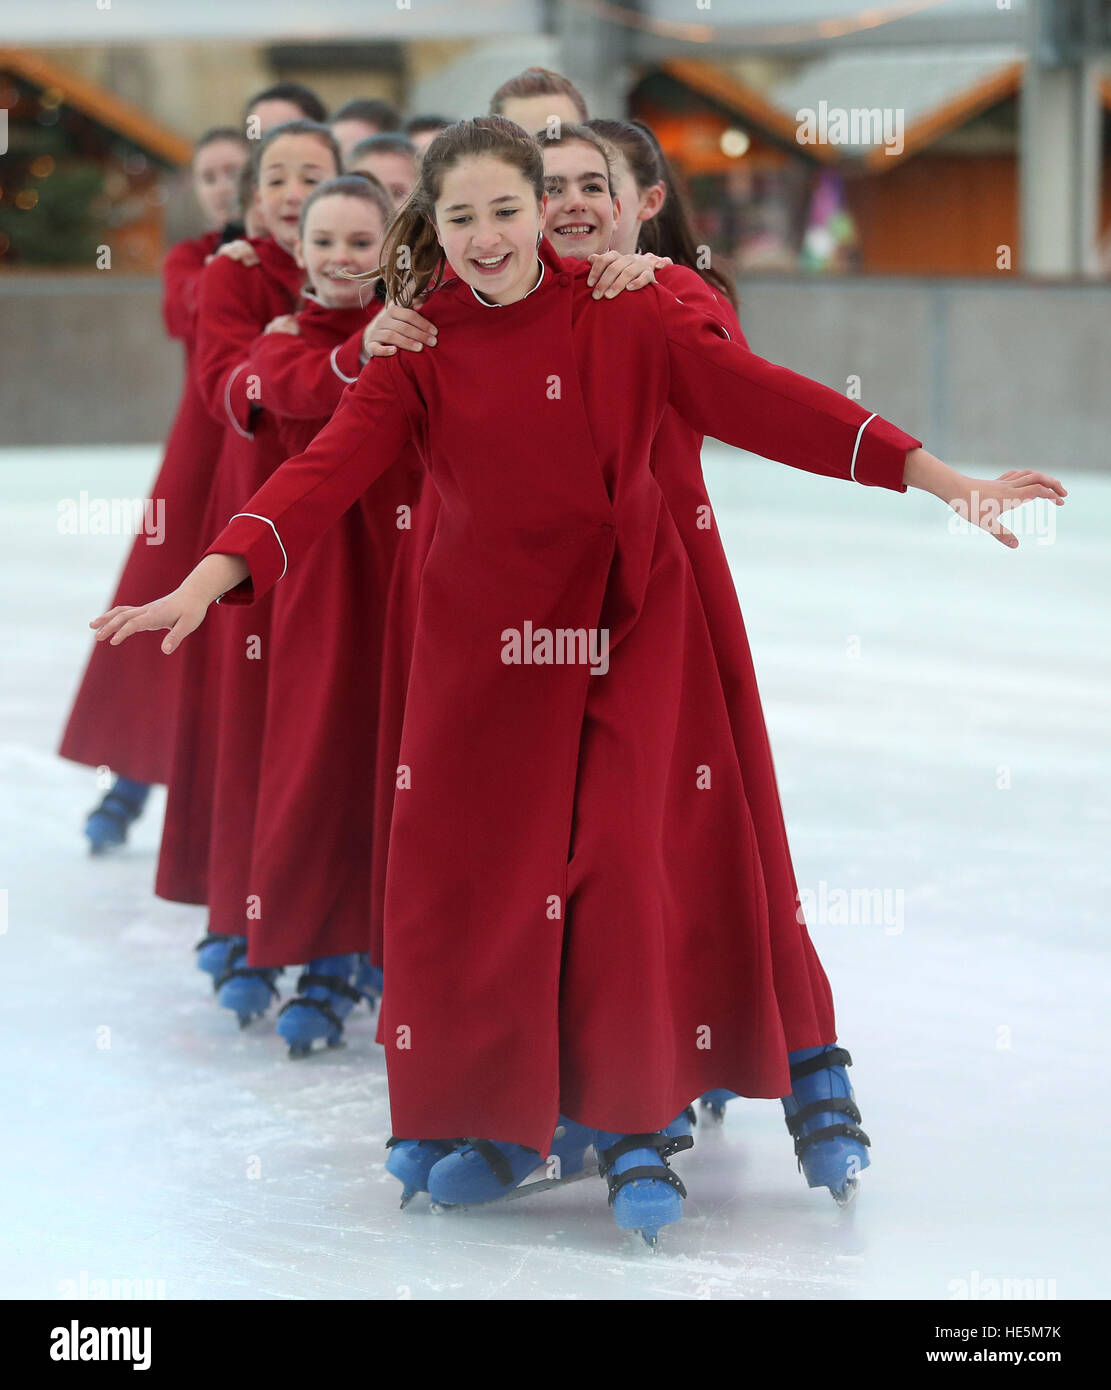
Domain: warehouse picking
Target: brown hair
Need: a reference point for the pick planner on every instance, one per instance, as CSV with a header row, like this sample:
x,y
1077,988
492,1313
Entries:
x,y
356,185
297,94
219,133
371,111
314,128
670,232
538,82
412,259
580,135
248,182
385,142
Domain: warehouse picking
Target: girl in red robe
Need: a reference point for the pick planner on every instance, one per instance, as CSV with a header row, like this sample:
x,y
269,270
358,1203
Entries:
x,y
310,866
207,834
125,711
577,930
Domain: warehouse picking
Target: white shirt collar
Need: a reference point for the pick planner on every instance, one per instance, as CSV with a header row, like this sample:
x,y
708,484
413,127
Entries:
x,y
486,303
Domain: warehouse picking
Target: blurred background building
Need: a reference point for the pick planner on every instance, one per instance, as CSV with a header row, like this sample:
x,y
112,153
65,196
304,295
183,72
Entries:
x,y
979,171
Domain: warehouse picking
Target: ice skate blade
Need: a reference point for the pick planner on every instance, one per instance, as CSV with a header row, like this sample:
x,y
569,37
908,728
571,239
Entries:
x,y
527,1189
849,1195
652,1240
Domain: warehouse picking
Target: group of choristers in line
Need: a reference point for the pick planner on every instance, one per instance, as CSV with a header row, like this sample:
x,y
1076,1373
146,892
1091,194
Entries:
x,y
474,733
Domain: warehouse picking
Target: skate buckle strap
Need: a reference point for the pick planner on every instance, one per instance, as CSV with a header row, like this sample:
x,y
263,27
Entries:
x,y
321,1005
336,983
120,807
649,1170
838,1105
396,1139
838,1057
664,1144
248,972
841,1130
210,940
499,1164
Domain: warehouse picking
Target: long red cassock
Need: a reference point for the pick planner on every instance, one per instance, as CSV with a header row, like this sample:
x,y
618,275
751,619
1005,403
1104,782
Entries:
x,y
677,465
206,836
576,912
125,710
309,880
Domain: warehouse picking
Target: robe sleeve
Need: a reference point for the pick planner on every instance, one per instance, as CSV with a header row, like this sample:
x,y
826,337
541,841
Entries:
x,y
728,392
228,321
292,379
689,288
309,493
181,278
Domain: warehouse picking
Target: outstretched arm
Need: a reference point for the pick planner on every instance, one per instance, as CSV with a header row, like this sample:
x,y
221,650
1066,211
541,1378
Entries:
x,y
293,508
725,391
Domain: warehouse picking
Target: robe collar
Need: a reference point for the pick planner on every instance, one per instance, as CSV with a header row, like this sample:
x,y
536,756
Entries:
x,y
486,304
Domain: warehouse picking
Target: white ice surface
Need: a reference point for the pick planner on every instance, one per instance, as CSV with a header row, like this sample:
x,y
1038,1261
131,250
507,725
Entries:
x,y
976,1025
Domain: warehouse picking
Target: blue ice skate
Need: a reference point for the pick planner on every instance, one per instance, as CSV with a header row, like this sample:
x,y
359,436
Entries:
x,y
107,824
715,1102
326,994
246,990
212,954
368,981
644,1193
824,1122
411,1161
481,1170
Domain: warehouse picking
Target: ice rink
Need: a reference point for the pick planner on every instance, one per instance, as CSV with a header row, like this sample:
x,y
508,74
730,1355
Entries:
x,y
939,709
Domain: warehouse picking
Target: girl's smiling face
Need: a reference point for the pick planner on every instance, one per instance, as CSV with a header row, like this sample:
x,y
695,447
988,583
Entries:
x,y
216,171
488,223
292,166
343,236
581,213
396,172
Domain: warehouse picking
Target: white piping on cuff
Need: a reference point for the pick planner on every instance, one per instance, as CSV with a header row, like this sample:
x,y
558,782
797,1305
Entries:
x,y
336,369
227,404
255,517
856,446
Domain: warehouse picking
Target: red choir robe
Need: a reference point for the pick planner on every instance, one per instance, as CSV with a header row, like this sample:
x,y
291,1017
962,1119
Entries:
x,y
310,871
126,707
397,648
206,834
576,916
677,465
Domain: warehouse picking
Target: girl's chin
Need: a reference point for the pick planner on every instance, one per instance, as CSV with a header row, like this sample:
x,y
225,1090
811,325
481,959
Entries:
x,y
333,297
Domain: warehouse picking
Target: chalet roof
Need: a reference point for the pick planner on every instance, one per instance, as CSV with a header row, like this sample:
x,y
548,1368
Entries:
x,y
936,90
113,112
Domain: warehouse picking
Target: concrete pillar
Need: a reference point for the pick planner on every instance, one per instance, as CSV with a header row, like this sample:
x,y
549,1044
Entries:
x,y
596,54
1060,157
